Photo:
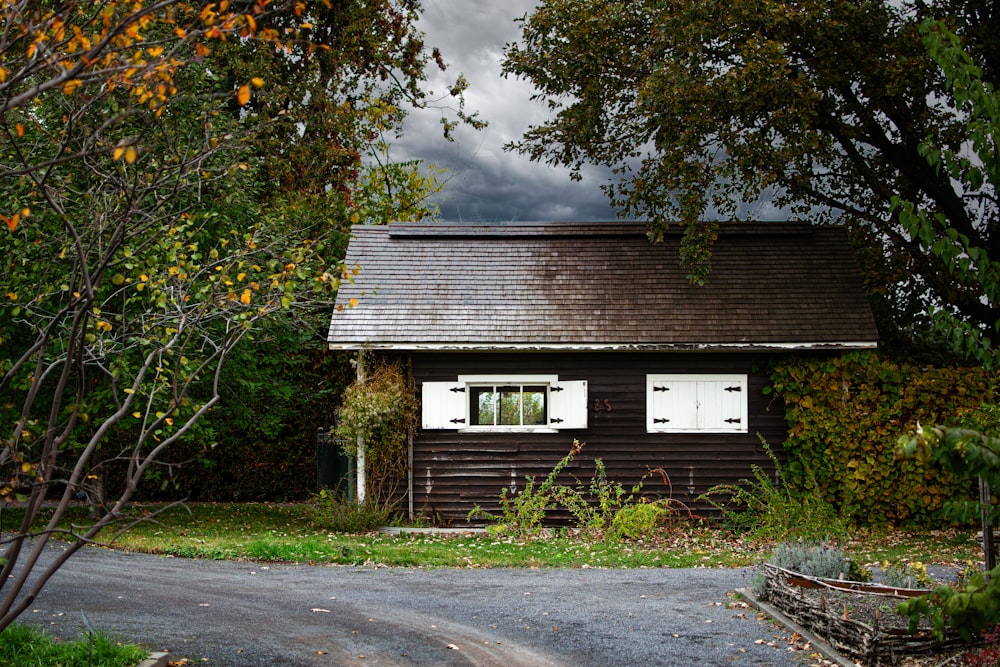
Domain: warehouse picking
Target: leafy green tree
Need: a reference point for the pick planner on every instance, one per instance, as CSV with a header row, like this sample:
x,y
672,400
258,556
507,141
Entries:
x,y
974,168
177,180
707,108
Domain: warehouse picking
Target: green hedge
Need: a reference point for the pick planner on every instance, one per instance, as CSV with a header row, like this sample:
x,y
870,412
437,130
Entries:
x,y
845,416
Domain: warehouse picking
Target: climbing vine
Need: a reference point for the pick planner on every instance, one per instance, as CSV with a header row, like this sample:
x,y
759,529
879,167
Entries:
x,y
380,411
845,416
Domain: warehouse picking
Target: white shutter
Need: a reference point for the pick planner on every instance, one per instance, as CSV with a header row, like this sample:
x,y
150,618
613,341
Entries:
x,y
568,404
696,403
443,405
722,405
671,403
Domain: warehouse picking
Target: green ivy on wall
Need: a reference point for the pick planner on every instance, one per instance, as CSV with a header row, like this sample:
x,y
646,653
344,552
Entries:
x,y
845,416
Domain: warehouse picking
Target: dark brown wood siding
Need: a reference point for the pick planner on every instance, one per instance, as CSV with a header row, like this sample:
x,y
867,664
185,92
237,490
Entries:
x,y
453,471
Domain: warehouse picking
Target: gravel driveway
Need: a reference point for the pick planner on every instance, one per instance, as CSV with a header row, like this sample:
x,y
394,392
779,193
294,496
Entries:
x,y
238,614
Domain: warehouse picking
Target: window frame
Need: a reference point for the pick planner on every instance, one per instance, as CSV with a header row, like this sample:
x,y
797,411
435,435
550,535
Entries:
x,y
446,405
503,380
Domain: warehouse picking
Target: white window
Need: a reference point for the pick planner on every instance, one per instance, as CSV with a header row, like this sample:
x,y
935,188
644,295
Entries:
x,y
540,403
696,403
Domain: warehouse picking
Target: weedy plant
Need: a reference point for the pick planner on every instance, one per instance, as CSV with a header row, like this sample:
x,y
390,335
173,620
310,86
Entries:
x,y
599,509
767,509
337,513
522,513
906,575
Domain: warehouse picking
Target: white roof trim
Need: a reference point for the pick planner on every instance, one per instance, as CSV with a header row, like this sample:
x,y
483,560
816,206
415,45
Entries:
x,y
596,347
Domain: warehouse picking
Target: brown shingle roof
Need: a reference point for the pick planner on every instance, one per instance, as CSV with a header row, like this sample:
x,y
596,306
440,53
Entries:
x,y
555,285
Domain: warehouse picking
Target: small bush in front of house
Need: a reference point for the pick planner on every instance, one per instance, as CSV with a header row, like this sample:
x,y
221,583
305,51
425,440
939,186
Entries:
x,y
600,508
637,521
766,508
337,513
380,412
593,507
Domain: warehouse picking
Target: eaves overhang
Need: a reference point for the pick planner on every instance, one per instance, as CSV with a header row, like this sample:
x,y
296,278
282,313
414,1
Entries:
x,y
832,346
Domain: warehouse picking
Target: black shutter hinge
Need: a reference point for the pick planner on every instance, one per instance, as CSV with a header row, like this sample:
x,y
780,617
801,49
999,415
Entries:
x,y
661,388
457,420
734,420
555,388
457,389
660,421
736,388
555,420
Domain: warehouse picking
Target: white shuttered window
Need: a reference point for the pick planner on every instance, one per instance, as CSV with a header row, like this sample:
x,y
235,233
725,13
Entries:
x,y
540,403
696,404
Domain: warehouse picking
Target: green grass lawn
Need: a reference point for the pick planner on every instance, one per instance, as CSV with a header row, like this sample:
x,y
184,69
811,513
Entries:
x,y
24,646
287,533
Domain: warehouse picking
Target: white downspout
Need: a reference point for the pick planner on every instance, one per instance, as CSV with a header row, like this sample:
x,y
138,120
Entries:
x,y
360,369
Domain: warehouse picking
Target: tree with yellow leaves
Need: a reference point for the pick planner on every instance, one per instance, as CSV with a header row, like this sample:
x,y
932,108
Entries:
x,y
175,173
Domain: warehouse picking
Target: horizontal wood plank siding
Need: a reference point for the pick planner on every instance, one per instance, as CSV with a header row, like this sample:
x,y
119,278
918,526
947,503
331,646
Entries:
x,y
453,471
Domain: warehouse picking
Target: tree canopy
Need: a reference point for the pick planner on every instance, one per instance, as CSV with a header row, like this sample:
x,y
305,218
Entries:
x,y
178,176
826,109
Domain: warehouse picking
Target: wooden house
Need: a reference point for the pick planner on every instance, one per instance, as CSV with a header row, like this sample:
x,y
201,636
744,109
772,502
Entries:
x,y
522,338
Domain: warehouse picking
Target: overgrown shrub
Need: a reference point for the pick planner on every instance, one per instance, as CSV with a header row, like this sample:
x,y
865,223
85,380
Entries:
x,y
522,513
639,520
600,508
337,513
766,508
845,415
381,411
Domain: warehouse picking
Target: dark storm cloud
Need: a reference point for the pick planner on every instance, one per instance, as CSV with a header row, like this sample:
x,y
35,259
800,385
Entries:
x,y
485,182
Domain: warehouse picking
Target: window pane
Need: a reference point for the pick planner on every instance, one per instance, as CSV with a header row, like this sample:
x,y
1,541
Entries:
x,y
483,406
534,406
510,406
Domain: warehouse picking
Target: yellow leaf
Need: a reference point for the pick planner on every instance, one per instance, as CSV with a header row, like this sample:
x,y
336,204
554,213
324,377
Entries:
x,y
245,297
26,467
20,128
131,154
243,95
117,153
70,86
257,82
11,222
136,414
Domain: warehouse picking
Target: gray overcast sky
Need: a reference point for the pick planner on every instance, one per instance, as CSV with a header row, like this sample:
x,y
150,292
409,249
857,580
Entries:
x,y
488,184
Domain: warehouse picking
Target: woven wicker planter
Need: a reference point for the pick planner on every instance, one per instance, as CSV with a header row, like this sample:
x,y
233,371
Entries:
x,y
824,606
